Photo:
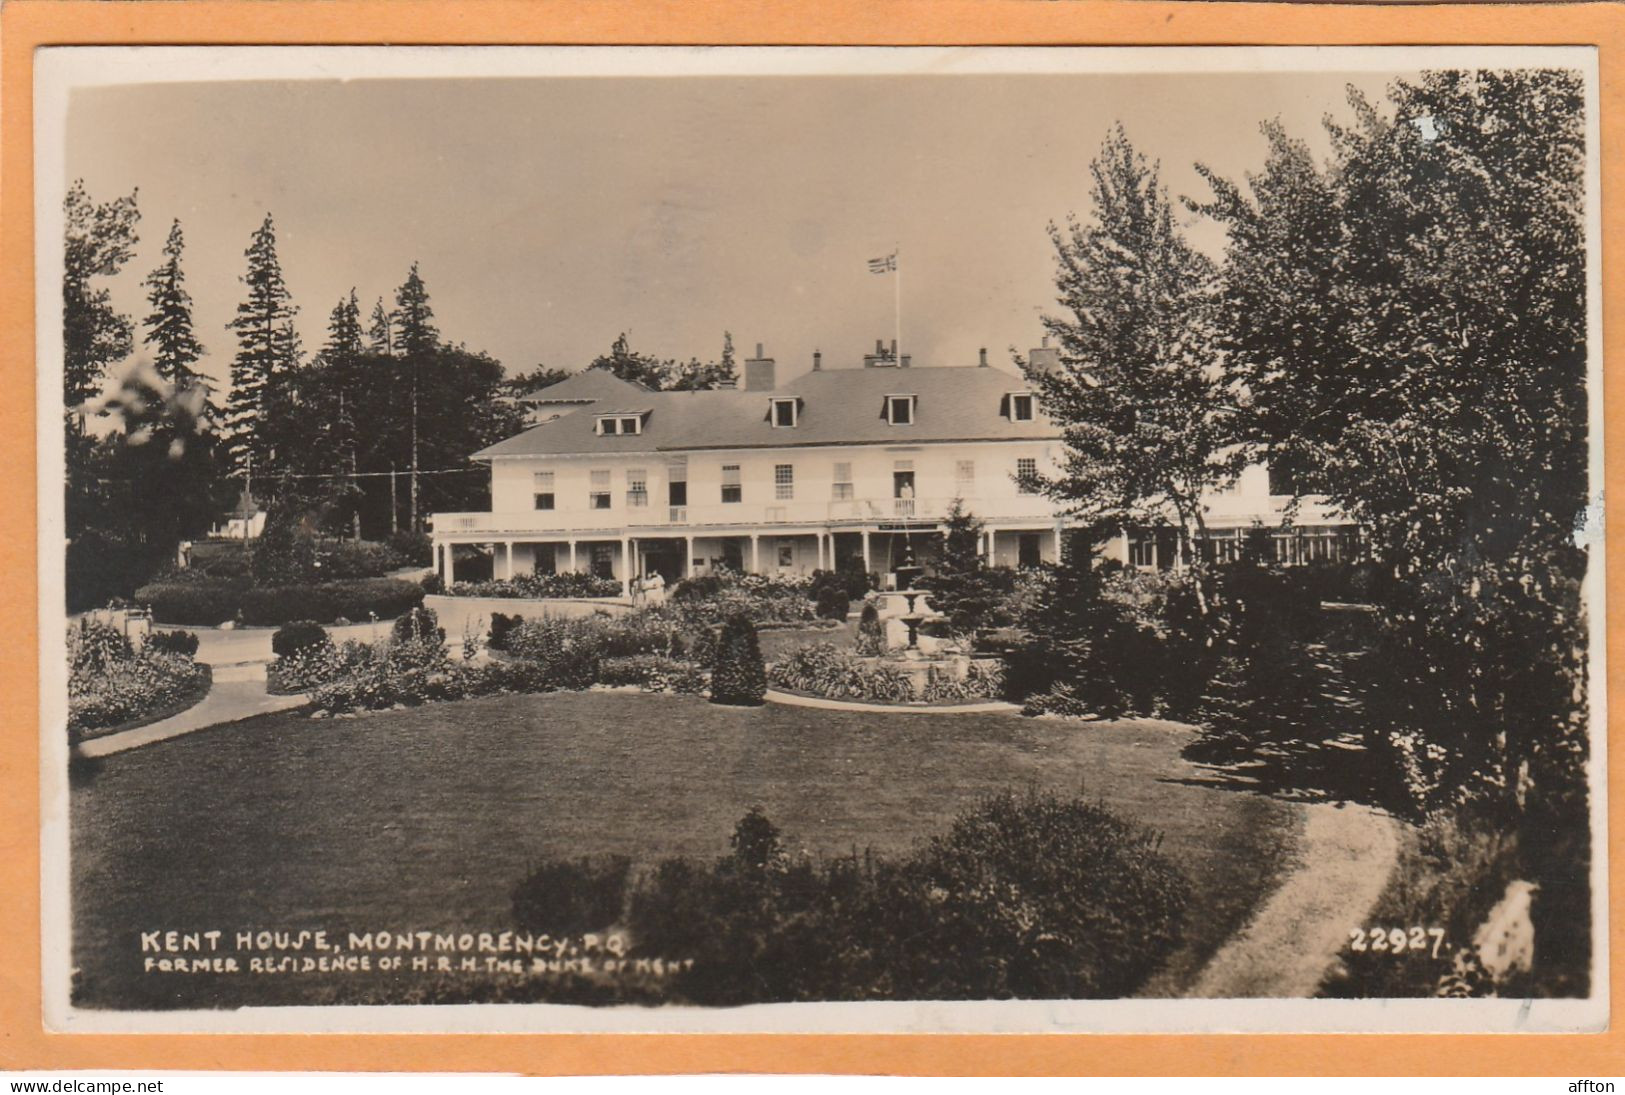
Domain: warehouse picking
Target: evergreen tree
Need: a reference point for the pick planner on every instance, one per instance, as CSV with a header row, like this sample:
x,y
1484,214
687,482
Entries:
x,y
738,678
266,351
1140,395
415,332
417,338
627,364
98,241
381,335
964,588
169,326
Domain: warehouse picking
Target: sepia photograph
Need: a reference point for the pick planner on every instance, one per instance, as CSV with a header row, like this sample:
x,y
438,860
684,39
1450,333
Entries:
x,y
821,539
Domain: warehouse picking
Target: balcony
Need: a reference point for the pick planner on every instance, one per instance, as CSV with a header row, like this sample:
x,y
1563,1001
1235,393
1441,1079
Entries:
x,y
732,518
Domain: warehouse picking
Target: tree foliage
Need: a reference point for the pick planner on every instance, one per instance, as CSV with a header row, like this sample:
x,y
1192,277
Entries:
x,y
99,240
175,347
267,351
668,374
1140,394
1408,321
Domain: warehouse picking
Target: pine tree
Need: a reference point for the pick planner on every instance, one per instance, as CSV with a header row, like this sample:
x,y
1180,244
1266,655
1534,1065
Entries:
x,y
266,350
339,358
413,318
169,326
98,241
418,339
381,335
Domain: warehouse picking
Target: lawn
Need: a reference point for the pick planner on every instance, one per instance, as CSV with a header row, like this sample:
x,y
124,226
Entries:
x,y
424,819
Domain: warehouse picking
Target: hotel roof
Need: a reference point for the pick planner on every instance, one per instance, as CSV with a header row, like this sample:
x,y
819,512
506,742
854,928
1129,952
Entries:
x,y
834,407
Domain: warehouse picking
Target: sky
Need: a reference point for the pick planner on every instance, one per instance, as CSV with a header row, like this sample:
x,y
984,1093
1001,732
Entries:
x,y
548,215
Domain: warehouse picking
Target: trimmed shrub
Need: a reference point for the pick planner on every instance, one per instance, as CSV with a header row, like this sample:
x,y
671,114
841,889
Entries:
x,y
871,640
833,603
354,600
738,677
200,603
432,583
172,642
296,636
571,897
501,625
209,602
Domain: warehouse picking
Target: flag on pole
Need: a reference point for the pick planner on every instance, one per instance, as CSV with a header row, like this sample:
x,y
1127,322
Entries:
x,y
883,265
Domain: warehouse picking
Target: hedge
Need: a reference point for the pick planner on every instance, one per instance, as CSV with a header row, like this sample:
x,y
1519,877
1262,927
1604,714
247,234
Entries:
x,y
209,603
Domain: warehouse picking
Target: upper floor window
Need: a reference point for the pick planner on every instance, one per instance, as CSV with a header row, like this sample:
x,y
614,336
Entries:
x,y
784,482
841,491
1026,472
900,410
610,425
1021,406
637,487
731,489
598,496
542,484
784,413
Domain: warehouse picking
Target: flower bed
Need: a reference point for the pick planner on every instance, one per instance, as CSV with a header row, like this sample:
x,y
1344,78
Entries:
x,y
568,584
652,673
112,686
769,602
821,669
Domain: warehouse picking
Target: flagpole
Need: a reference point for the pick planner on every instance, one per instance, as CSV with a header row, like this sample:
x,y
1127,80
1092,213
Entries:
x,y
897,273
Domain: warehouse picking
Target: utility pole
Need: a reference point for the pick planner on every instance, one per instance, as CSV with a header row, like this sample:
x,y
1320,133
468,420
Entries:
x,y
394,506
414,513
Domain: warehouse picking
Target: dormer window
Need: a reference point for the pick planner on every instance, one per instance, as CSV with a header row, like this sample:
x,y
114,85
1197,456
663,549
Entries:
x,y
784,413
1022,406
613,425
900,410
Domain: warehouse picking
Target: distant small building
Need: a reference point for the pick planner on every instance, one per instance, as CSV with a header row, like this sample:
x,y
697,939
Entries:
x,y
245,521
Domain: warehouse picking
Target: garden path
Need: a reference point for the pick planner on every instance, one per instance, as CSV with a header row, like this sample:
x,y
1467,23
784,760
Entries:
x,y
237,693
1348,852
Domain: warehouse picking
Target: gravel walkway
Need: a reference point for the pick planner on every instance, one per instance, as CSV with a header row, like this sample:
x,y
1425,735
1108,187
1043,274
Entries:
x,y
1348,853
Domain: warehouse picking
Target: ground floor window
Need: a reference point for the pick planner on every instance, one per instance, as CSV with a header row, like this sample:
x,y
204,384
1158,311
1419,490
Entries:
x,y
787,553
547,559
603,560
733,555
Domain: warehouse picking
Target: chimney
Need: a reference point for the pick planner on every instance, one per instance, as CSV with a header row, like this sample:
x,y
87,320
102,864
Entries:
x,y
981,358
818,361
1044,359
759,372
880,347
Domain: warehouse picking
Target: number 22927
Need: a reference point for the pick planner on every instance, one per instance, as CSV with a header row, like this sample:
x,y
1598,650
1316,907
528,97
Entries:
x,y
1412,940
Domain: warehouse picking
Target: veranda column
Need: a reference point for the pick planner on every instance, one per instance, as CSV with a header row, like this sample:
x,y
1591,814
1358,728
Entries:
x,y
755,553
867,568
508,546
626,567
991,533
688,557
572,557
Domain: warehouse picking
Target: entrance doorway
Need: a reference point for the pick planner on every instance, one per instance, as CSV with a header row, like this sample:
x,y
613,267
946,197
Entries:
x,y
664,557
1028,553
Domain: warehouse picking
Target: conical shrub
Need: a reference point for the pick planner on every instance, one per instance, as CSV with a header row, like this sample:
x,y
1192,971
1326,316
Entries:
x,y
738,677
